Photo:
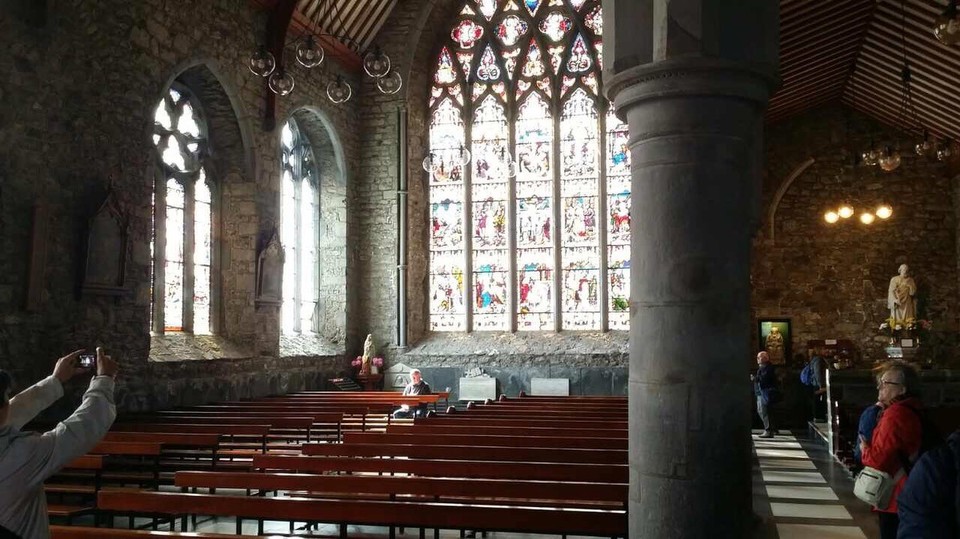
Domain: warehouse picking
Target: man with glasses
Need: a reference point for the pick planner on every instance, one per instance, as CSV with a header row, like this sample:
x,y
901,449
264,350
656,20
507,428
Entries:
x,y
897,440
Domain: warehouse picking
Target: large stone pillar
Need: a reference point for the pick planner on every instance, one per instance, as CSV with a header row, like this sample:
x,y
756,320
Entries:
x,y
692,79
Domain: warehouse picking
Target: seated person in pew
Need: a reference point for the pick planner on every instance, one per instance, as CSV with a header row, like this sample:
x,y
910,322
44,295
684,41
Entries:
x,y
27,459
417,386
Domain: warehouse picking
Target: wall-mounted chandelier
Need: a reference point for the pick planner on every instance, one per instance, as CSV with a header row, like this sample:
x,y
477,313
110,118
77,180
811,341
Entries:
x,y
310,54
846,211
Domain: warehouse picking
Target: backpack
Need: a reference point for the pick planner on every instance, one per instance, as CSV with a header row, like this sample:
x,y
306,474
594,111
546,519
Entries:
x,y
807,374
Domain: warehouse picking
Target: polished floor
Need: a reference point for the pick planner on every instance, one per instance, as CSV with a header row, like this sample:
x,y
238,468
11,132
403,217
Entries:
x,y
800,492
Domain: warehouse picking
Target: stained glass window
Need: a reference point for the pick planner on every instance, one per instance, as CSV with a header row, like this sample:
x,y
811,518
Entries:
x,y
183,203
299,215
534,233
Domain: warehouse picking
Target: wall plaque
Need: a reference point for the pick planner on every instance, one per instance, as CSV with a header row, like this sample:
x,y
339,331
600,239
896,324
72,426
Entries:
x,y
555,387
478,389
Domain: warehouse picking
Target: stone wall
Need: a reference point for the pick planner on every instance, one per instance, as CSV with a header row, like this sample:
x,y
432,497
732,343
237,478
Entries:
x,y
80,86
831,280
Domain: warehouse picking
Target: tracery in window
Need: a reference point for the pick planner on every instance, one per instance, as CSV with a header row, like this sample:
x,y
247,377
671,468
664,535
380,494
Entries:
x,y
299,216
518,83
183,219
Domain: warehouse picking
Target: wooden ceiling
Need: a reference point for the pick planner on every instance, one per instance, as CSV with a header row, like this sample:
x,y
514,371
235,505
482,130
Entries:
x,y
848,51
852,51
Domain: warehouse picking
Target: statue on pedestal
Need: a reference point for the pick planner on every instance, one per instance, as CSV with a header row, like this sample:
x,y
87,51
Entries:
x,y
369,351
900,296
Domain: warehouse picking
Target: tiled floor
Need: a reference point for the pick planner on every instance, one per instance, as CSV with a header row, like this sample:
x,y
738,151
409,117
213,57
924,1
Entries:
x,y
800,492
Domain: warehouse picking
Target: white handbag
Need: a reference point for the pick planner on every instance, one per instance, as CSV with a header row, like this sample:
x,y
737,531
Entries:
x,y
875,487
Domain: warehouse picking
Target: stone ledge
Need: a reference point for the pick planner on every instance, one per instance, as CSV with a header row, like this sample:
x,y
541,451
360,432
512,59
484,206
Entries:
x,y
309,345
173,347
567,348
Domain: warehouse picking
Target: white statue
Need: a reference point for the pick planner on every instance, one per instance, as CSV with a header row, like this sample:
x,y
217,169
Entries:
x,y
369,351
900,296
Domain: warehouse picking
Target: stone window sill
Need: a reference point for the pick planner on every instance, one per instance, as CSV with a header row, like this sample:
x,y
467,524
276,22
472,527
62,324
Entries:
x,y
172,347
568,348
309,344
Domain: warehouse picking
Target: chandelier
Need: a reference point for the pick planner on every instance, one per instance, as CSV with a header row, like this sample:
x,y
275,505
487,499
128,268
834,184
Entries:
x,y
310,54
846,211
489,160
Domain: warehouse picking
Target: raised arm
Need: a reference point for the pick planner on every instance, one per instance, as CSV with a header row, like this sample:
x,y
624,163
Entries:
x,y
36,398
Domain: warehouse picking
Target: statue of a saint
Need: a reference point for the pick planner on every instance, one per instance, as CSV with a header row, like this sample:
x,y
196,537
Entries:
x,y
900,296
369,351
774,346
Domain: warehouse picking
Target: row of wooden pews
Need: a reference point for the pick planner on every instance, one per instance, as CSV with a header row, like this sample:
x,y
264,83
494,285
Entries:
x,y
531,465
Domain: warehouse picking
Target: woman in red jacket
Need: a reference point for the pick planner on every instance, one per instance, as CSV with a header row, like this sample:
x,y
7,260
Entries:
x,y
896,440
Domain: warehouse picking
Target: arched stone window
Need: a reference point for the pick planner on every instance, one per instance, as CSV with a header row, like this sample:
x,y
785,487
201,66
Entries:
x,y
183,210
534,233
299,215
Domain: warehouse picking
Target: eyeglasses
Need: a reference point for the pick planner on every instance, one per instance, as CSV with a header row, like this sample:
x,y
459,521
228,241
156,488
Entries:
x,y
882,383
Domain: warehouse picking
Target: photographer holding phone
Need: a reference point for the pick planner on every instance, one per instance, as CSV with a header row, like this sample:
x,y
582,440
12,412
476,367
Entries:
x,y
27,459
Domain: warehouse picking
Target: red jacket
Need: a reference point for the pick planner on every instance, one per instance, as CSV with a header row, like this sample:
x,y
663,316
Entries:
x,y
897,437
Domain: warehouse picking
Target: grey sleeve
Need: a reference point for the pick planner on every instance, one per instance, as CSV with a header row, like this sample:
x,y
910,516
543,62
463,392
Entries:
x,y
33,400
77,434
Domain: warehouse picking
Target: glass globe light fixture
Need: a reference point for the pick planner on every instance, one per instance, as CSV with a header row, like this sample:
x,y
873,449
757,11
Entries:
x,y
947,26
889,160
376,63
831,217
866,218
884,211
927,146
280,82
430,162
944,152
870,156
845,211
262,62
309,52
339,91
390,83
463,156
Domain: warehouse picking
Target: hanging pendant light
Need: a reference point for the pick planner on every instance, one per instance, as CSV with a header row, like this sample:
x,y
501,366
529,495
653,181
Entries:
x,y
927,146
866,218
309,53
944,151
280,82
947,26
831,217
889,160
376,63
390,83
884,211
262,62
338,91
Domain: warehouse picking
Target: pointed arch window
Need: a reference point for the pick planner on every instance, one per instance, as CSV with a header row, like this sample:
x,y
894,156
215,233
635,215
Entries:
x,y
534,233
299,225
183,224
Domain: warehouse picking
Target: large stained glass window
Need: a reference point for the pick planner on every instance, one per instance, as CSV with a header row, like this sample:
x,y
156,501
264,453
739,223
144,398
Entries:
x,y
545,198
182,247
299,215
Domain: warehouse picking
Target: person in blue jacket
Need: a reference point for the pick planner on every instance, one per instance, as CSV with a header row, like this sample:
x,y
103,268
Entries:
x,y
929,504
767,392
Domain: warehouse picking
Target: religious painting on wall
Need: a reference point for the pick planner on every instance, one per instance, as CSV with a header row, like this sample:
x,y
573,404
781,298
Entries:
x,y
774,337
106,247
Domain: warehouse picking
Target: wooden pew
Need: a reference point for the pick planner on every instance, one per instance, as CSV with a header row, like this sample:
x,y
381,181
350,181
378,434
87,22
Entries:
x,y
87,463
469,452
551,493
541,471
488,440
376,513
519,423
424,428
83,532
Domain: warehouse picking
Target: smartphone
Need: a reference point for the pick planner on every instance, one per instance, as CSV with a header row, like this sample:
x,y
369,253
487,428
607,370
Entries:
x,y
88,360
